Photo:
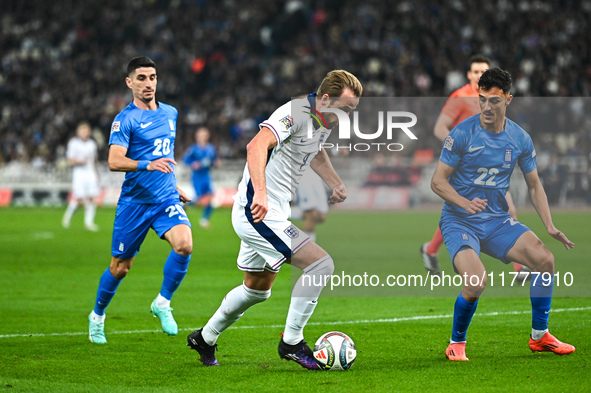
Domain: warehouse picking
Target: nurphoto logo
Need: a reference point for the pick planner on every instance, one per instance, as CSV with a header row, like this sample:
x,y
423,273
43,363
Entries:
x,y
388,123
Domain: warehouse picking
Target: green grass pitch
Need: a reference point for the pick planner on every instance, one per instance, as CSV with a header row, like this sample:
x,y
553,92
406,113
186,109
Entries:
x,y
49,276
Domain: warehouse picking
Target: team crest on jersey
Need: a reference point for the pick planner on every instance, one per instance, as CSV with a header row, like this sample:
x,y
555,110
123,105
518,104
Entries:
x,y
171,124
464,236
508,153
116,126
292,231
287,121
449,142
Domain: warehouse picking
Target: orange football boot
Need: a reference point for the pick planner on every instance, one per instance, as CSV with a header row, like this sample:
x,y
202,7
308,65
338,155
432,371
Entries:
x,y
549,343
456,351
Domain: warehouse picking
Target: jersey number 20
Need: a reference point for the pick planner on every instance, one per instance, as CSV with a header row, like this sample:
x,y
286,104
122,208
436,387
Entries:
x,y
492,172
177,209
162,147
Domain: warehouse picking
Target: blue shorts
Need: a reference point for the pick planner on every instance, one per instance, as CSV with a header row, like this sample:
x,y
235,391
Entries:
x,y
494,236
133,220
202,187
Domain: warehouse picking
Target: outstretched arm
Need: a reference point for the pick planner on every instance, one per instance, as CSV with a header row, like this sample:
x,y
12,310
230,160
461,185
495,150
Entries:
x,y
323,167
440,186
540,202
119,162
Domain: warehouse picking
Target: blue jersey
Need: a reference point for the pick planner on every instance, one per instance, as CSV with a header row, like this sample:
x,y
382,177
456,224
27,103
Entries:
x,y
147,135
204,155
484,162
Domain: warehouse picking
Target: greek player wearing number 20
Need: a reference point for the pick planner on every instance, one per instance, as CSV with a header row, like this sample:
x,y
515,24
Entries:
x,y
142,145
472,176
276,159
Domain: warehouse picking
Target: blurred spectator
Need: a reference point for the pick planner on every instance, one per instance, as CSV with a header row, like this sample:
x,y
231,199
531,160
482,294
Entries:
x,y
393,174
227,61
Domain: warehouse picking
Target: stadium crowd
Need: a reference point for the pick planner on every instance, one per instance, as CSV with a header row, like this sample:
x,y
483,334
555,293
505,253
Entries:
x,y
228,63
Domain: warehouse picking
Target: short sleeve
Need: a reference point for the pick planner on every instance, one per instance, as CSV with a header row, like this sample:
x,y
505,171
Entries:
x,y
71,149
527,159
120,132
453,148
280,122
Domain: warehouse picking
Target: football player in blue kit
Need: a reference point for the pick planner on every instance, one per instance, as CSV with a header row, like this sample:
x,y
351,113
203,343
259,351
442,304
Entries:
x,y
200,157
472,176
142,145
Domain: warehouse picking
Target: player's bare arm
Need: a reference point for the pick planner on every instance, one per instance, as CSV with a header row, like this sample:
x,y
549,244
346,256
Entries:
x,y
183,195
540,202
442,126
323,167
440,186
256,158
118,162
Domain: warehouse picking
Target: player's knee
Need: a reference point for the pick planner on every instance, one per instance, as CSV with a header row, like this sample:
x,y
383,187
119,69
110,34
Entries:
x,y
474,285
324,267
255,296
183,247
546,262
320,218
120,270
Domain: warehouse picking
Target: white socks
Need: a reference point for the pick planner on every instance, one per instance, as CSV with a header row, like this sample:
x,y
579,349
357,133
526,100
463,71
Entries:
x,y
70,210
97,318
162,302
305,297
538,334
300,311
236,302
89,213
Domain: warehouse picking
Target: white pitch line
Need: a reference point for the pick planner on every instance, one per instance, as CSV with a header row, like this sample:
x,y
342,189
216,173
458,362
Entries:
x,y
360,321
31,236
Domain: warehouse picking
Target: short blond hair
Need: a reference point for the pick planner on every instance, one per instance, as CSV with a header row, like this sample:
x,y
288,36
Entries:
x,y
336,81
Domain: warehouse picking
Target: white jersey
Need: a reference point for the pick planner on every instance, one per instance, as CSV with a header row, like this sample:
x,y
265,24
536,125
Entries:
x,y
312,193
84,177
291,157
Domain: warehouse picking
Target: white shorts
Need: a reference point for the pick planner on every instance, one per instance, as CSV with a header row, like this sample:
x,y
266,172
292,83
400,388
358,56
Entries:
x,y
312,193
268,244
85,187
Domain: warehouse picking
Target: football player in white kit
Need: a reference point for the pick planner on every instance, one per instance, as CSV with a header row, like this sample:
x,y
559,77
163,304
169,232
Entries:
x,y
82,155
276,159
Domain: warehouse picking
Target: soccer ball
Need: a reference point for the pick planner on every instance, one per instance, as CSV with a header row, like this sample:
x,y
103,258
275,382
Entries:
x,y
334,351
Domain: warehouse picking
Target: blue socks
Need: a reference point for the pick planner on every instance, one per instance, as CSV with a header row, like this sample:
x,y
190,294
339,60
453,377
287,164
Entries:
x,y
175,269
463,312
207,211
106,290
541,299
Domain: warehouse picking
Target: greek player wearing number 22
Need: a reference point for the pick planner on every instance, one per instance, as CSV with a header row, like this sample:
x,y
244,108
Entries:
x,y
472,176
142,145
276,159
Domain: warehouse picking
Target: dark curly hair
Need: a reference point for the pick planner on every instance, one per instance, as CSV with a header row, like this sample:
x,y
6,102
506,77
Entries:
x,y
496,77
